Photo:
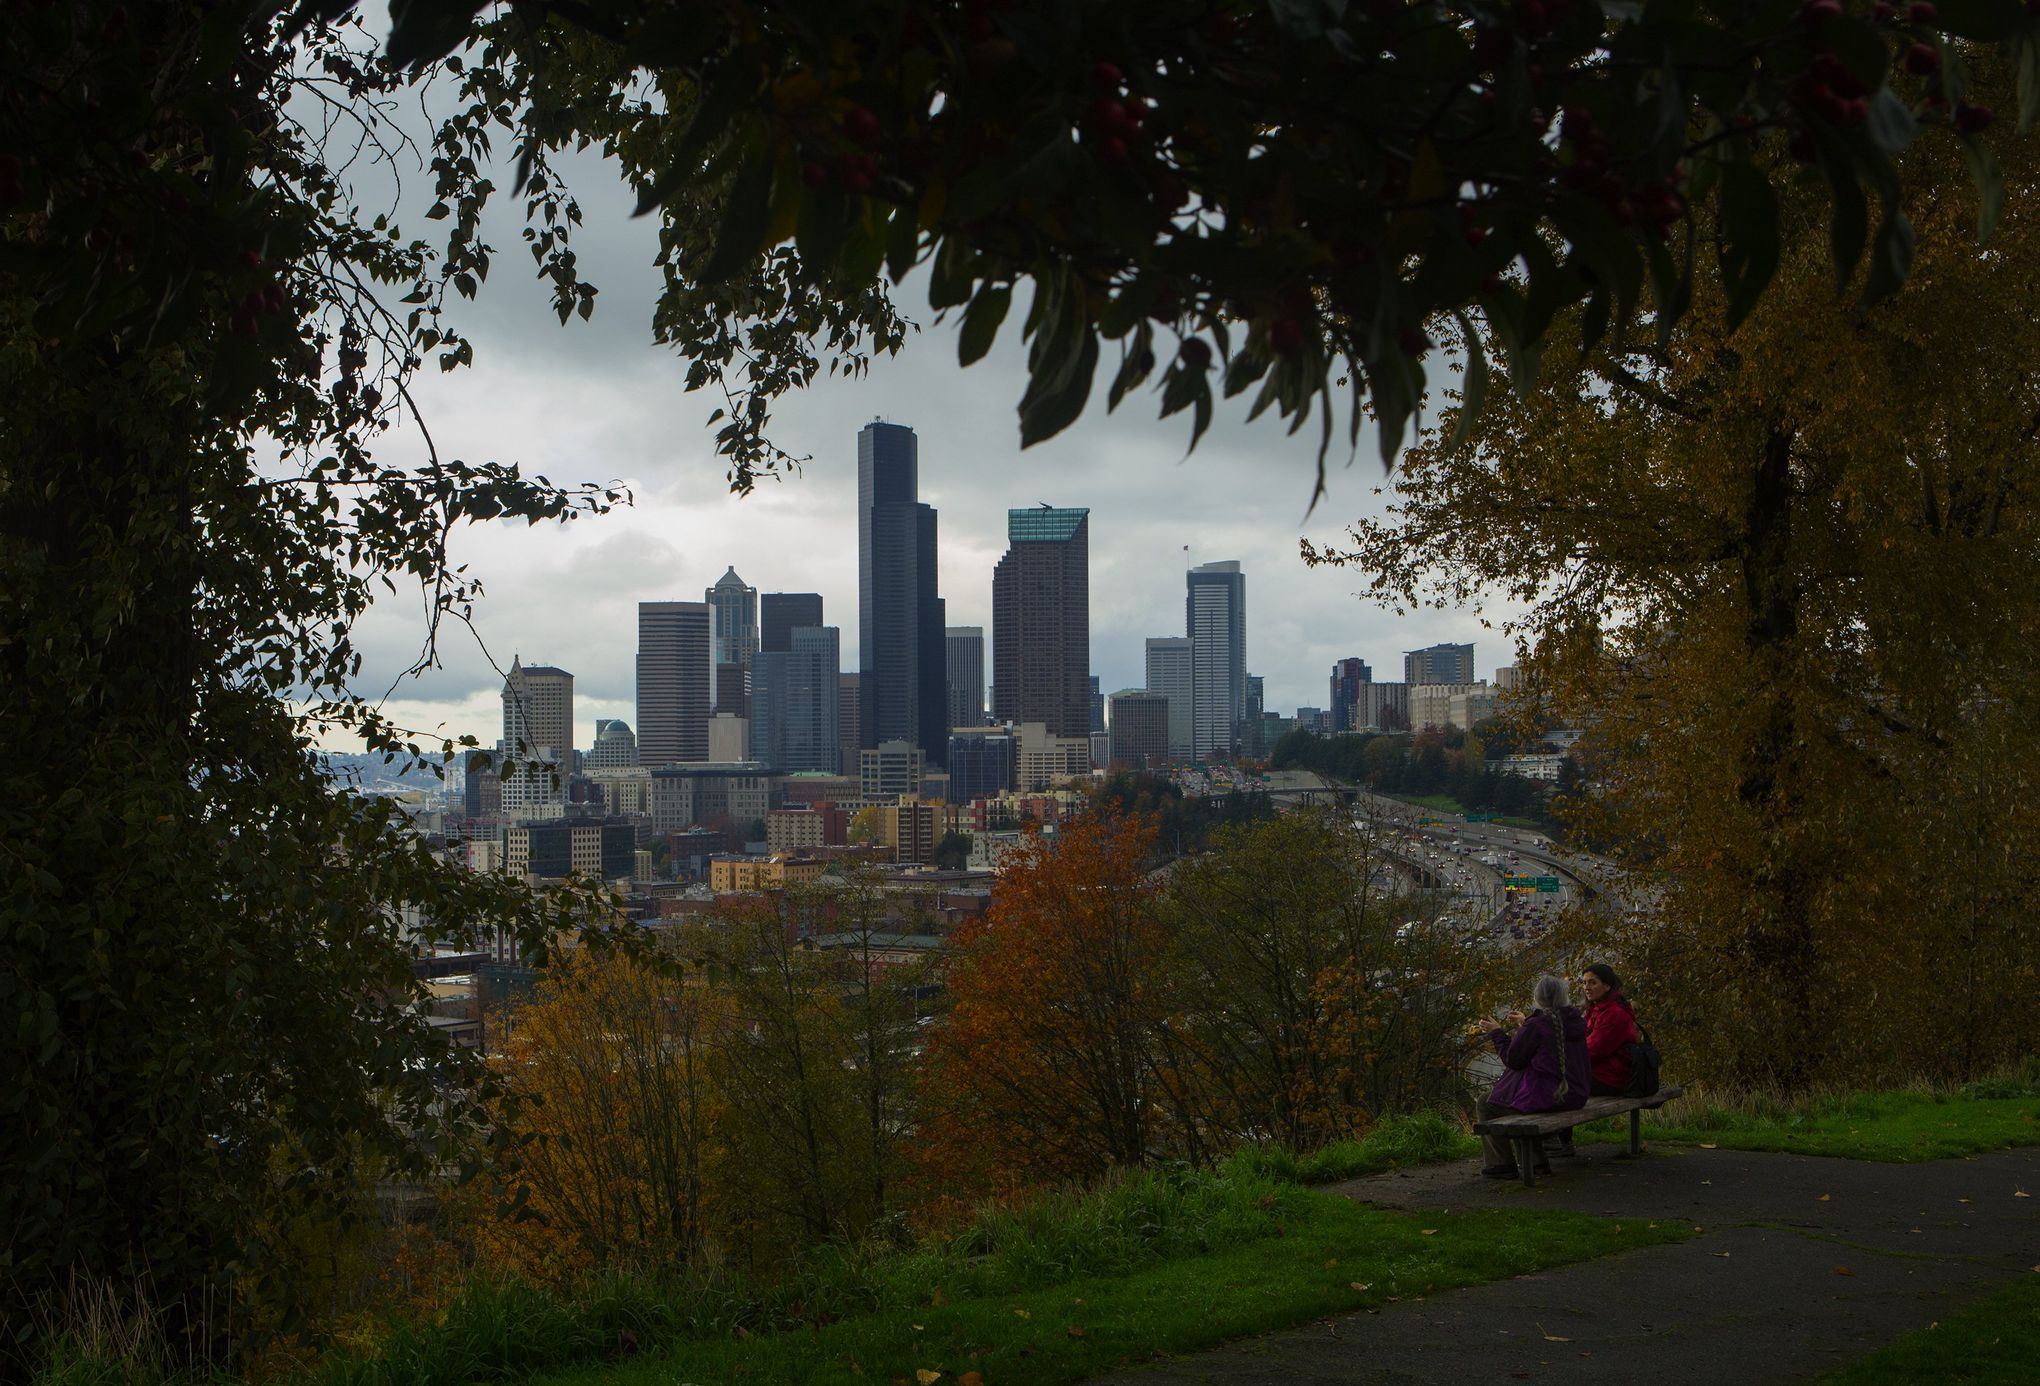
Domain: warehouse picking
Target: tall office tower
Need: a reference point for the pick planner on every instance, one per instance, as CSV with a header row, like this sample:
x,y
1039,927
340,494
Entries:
x,y
901,654
849,720
965,647
675,650
1097,707
780,612
1171,664
795,696
1216,621
1140,730
980,764
1250,716
1439,664
538,711
1041,621
1348,676
615,746
735,607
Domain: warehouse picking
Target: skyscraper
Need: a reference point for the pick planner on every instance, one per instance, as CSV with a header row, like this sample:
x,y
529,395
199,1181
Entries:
x,y
1041,621
780,612
901,655
965,648
794,695
1348,676
1171,662
1097,707
674,654
735,607
615,746
1215,610
1439,664
1140,730
538,711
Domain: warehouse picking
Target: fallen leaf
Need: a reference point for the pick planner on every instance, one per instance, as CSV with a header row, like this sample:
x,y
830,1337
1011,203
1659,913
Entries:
x,y
2020,1193
1552,1337
1429,1231
1961,1200
1363,1289
1618,1227
918,1329
1074,1331
935,1297
1843,1270
1332,1264
856,1367
1023,1313
1827,1198
1709,1145
1707,1181
971,1379
927,1377
1722,1254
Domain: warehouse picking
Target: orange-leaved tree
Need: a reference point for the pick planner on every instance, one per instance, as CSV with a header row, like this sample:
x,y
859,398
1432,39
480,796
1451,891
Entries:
x,y
1063,1054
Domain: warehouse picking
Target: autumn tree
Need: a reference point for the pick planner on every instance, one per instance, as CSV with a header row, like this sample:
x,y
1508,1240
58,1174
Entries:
x,y
1780,571
608,1077
1061,1055
1324,995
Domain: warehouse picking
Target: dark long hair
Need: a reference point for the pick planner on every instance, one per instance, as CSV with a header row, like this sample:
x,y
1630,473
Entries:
x,y
1606,974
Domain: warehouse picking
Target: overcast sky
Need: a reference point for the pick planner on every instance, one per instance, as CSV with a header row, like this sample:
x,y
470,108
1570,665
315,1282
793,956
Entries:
x,y
595,401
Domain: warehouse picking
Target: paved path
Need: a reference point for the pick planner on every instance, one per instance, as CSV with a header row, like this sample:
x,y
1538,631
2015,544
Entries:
x,y
1804,1264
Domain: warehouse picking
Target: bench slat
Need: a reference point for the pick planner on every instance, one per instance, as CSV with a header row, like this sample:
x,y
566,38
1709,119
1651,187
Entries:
x,y
1550,1123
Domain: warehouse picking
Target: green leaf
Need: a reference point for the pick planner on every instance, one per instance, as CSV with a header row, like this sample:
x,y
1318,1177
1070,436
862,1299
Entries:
x,y
1473,385
745,217
1891,259
1990,185
1891,122
1053,402
981,322
1749,217
424,31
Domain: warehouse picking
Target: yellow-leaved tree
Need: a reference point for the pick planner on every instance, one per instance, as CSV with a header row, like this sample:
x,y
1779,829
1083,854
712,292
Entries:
x,y
1782,572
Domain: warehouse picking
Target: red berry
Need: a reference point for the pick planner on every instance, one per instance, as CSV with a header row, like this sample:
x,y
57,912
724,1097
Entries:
x,y
862,126
1413,342
1922,59
10,168
1195,354
1972,120
1855,111
1107,77
1110,116
1112,149
813,174
1285,336
1884,11
252,259
274,298
243,325
1816,11
1490,281
1921,12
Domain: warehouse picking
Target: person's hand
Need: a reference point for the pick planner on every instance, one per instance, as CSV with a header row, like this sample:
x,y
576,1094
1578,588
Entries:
x,y
1488,1025
1516,1017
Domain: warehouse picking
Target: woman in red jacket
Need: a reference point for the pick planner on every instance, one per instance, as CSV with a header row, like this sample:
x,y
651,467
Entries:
x,y
1611,1029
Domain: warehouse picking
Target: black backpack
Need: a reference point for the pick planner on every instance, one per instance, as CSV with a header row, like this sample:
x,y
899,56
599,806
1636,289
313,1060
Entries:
x,y
1644,1063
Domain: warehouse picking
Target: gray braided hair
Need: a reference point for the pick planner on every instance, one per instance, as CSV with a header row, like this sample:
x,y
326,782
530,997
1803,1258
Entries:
x,y
1551,997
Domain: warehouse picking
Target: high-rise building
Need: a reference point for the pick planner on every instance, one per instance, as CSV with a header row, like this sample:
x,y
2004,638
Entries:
x,y
1383,707
795,697
1216,622
980,764
615,746
1097,707
1348,677
1041,621
849,720
1139,730
901,655
674,657
1250,717
1436,664
734,605
1171,664
965,647
779,613
891,768
1450,705
538,711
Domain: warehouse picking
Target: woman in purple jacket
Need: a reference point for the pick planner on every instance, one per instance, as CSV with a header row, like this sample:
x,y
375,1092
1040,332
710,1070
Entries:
x,y
1548,1071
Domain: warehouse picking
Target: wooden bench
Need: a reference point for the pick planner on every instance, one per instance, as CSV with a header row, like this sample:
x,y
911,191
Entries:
x,y
1529,1129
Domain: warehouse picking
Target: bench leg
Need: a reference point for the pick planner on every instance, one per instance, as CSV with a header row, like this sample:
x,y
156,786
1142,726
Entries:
x,y
1527,1153
1635,1131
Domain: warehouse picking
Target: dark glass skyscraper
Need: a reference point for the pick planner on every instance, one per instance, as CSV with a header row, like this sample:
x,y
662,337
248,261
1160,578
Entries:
x,y
1041,621
900,649
780,613
1216,622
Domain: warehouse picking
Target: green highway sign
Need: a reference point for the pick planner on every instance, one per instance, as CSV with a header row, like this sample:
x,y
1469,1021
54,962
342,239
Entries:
x,y
1480,818
1543,885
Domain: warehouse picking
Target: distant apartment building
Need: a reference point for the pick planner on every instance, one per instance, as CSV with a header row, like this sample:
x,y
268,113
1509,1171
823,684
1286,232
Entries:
x,y
1542,766
1043,760
595,848
964,649
674,662
913,828
1349,676
1382,707
1438,665
794,831
1441,705
1138,730
890,769
1314,719
728,874
626,789
1171,662
684,795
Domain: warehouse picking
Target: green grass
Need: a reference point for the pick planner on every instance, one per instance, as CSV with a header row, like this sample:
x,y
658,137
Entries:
x,y
1995,1341
1442,803
1327,1255
1902,1126
1394,1143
